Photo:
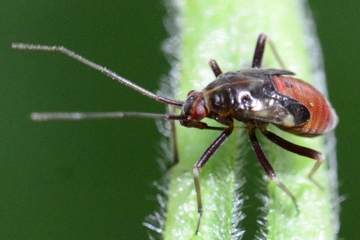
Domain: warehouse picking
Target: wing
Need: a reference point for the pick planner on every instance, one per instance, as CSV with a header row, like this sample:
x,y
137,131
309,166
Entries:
x,y
257,99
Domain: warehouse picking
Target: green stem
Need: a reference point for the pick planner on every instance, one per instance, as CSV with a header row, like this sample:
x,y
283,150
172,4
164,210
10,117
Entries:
x,y
227,31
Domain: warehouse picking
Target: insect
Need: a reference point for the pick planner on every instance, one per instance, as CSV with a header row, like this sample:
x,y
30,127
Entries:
x,y
257,97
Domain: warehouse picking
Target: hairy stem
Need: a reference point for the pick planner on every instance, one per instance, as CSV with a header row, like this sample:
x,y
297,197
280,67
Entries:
x,y
227,31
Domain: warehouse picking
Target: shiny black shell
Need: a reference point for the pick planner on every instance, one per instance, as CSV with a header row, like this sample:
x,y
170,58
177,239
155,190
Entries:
x,y
248,95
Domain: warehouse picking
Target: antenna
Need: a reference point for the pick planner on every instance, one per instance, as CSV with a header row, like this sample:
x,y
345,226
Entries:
x,y
107,72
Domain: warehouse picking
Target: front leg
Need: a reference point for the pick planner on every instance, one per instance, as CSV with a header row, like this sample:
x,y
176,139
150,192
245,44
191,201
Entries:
x,y
201,163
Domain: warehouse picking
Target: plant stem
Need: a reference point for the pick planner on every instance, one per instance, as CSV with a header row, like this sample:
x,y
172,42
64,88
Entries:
x,y
227,31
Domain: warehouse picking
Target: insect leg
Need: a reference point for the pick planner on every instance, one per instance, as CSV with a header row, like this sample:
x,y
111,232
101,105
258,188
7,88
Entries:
x,y
215,67
267,166
303,151
201,163
259,51
173,140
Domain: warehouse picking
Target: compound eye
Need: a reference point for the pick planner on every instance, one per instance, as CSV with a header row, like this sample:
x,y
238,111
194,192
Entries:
x,y
199,112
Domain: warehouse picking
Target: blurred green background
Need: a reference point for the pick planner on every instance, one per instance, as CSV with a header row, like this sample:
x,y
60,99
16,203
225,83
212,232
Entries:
x,y
93,179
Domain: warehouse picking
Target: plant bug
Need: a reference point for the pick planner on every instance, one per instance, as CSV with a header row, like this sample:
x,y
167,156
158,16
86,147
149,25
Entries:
x,y
257,97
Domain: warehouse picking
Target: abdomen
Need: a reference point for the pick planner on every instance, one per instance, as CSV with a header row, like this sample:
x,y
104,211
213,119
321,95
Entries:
x,y
323,118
